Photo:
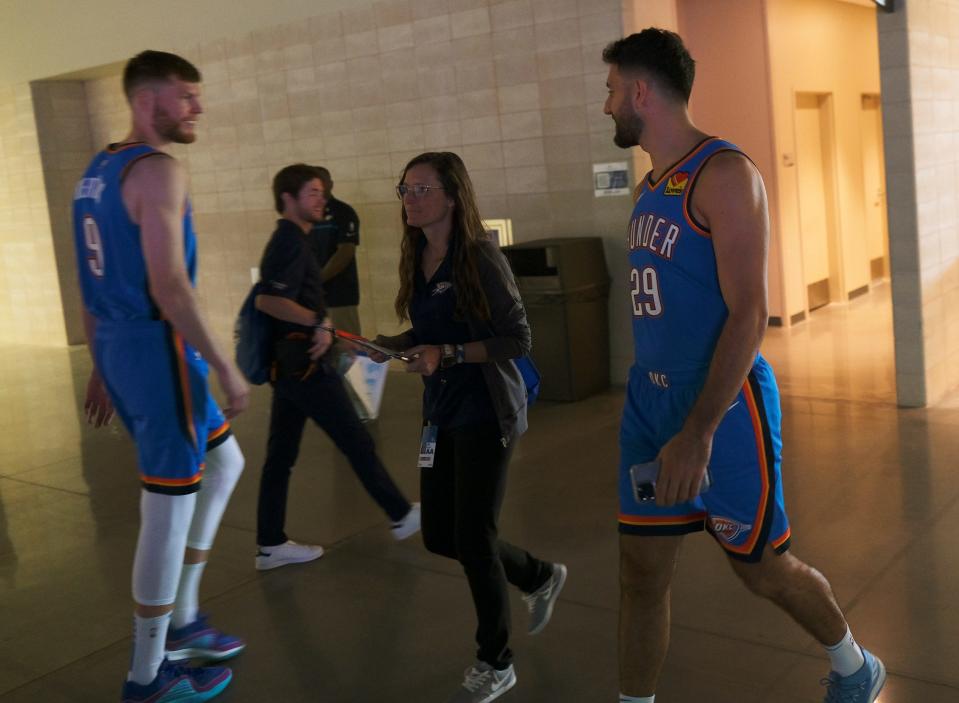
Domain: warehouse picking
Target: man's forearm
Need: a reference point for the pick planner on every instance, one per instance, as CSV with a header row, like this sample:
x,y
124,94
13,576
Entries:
x,y
89,328
286,310
178,305
338,262
733,357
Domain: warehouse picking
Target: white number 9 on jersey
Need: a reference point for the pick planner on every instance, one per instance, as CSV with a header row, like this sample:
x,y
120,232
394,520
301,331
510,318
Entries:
x,y
91,236
644,292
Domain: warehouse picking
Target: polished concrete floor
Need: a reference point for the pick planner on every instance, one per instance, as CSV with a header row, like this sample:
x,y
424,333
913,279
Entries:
x,y
872,492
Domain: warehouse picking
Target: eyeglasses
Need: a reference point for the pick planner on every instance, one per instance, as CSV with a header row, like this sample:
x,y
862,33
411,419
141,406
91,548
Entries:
x,y
418,190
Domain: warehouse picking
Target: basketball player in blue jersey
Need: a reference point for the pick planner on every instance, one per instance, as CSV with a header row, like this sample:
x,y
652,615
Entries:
x,y
701,401
136,251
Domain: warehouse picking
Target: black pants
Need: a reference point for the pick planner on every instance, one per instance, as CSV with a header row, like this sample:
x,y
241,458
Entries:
x,y
323,398
462,493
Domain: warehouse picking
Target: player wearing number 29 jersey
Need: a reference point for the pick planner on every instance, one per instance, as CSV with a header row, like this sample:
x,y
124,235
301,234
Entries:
x,y
678,308
701,401
678,314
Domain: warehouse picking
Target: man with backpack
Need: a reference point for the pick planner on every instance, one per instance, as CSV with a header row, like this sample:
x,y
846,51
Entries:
x,y
304,384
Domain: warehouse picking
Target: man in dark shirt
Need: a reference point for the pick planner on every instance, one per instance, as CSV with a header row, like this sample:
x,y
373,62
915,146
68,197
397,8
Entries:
x,y
304,383
334,240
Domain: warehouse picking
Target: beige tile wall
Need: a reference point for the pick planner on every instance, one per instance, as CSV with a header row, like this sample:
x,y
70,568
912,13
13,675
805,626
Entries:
x,y
63,130
30,307
516,88
919,55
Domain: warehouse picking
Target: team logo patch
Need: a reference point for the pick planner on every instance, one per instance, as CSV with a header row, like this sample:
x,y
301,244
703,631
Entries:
x,y
441,288
677,183
726,529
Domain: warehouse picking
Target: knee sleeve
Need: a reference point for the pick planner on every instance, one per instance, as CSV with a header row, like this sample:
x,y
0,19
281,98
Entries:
x,y
223,468
164,522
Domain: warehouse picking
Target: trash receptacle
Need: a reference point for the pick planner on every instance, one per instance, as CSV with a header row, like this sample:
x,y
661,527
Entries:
x,y
565,288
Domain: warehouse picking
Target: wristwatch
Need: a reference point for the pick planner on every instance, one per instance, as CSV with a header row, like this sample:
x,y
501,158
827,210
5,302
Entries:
x,y
448,356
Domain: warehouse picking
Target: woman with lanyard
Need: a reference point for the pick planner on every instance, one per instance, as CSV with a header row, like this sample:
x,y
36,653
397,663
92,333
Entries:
x,y
468,323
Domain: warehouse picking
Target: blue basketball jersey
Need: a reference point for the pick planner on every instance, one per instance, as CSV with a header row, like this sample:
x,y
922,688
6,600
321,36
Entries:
x,y
677,305
678,315
113,275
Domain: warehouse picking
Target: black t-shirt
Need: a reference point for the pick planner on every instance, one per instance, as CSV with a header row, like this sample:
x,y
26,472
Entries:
x,y
290,270
341,226
458,395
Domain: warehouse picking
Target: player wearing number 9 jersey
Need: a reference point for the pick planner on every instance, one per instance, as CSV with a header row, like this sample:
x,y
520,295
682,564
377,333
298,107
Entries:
x,y
699,393
136,252
116,292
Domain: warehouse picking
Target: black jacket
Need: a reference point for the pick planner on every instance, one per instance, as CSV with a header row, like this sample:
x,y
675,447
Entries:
x,y
506,336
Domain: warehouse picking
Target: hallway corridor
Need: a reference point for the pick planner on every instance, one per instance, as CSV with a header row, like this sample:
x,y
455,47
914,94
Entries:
x,y
872,492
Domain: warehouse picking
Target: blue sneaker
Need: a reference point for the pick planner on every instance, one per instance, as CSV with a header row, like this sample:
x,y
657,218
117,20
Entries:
x,y
862,687
179,684
200,641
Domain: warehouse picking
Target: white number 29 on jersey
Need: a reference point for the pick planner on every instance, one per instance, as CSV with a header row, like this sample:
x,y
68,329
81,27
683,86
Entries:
x,y
644,291
91,236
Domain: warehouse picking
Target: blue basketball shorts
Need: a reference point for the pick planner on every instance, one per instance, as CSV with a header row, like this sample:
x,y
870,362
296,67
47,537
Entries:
x,y
743,509
158,385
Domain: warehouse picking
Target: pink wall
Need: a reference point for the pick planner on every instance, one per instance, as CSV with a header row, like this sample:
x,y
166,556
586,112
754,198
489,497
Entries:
x,y
731,96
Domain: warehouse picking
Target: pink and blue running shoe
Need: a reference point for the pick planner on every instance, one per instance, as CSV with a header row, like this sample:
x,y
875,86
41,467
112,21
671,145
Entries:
x,y
199,640
179,684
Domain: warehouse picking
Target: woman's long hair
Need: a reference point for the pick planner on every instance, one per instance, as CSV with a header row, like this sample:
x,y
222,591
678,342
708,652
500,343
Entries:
x,y
465,237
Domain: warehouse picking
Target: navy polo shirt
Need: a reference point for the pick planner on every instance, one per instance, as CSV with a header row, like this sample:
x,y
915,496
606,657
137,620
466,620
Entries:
x,y
290,270
458,395
340,226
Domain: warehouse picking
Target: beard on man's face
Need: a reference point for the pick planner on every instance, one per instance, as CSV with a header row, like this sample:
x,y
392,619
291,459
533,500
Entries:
x,y
629,128
169,129
310,215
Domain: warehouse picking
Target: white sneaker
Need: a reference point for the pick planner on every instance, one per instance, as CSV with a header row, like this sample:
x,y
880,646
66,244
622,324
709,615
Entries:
x,y
483,683
541,601
409,525
289,552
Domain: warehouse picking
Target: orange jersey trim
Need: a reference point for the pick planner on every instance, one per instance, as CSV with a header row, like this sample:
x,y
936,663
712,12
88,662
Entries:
x,y
141,157
180,347
117,148
676,166
686,214
157,481
661,519
750,544
782,540
218,432
692,182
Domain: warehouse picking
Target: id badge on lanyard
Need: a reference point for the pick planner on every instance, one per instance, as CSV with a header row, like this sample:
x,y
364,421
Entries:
x,y
428,447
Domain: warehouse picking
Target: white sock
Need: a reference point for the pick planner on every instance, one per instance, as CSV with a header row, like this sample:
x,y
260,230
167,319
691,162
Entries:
x,y
149,647
846,656
623,698
188,594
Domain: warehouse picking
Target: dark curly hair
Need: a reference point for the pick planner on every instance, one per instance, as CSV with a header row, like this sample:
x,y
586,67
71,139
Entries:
x,y
659,52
